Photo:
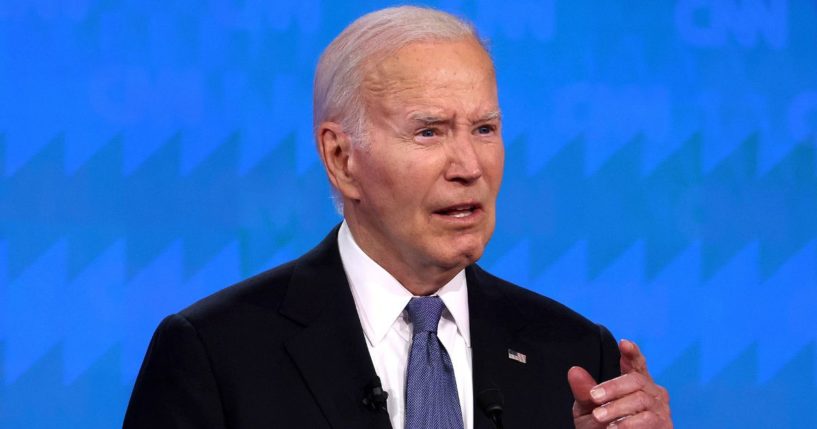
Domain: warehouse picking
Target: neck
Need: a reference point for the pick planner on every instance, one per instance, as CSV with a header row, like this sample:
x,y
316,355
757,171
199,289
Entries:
x,y
421,279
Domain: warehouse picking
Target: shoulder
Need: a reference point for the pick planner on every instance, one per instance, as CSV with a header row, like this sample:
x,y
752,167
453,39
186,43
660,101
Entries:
x,y
542,318
264,291
532,306
261,300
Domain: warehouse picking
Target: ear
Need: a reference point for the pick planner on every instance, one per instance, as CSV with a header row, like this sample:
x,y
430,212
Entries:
x,y
334,147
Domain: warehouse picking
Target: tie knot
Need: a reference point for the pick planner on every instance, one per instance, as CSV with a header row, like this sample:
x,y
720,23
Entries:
x,y
425,312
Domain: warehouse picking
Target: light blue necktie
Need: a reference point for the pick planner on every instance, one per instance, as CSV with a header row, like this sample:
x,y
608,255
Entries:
x,y
431,390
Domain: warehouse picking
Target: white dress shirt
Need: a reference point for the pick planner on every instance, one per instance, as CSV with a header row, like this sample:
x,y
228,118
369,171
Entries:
x,y
381,305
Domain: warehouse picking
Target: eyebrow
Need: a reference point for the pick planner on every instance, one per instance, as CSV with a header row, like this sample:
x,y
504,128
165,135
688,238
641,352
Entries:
x,y
430,119
427,118
490,116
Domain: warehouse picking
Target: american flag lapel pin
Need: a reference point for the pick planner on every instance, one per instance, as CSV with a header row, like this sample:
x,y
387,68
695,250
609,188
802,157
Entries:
x,y
515,355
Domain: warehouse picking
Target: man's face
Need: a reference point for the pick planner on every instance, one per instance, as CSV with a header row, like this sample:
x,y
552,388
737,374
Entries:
x,y
429,171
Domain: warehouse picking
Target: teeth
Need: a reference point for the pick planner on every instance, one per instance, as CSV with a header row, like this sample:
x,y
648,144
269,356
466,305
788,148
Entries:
x,y
461,213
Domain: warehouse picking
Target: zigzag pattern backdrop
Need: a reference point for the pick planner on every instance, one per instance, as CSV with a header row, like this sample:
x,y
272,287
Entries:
x,y
660,178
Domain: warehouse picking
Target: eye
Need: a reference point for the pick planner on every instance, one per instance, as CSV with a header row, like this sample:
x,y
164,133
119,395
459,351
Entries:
x,y
427,132
485,129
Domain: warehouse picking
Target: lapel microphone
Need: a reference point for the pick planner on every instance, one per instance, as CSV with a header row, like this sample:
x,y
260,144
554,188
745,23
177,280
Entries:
x,y
374,396
490,401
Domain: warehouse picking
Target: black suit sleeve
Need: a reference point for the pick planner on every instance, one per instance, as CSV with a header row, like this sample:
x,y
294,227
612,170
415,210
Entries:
x,y
610,356
176,387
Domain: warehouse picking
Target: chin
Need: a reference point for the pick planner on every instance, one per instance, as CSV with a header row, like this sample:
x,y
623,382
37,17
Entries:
x,y
464,255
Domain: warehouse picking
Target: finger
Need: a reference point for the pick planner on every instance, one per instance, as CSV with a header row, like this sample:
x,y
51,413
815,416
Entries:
x,y
628,405
632,360
580,384
624,385
663,394
643,420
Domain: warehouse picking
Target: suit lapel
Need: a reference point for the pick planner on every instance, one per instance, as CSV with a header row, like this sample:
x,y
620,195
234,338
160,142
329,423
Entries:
x,y
330,352
495,329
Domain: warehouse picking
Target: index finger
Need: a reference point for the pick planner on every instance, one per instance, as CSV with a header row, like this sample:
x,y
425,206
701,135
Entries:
x,y
580,384
632,360
622,386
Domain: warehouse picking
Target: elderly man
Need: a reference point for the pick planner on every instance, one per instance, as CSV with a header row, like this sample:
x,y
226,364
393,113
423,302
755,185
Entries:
x,y
389,322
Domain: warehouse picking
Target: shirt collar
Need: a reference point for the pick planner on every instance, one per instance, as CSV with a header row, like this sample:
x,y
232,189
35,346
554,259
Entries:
x,y
380,299
455,297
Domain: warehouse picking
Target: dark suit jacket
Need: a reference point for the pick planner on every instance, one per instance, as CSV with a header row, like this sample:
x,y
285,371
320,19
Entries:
x,y
285,349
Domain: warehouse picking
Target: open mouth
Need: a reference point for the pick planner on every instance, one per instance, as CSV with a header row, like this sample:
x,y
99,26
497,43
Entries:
x,y
460,211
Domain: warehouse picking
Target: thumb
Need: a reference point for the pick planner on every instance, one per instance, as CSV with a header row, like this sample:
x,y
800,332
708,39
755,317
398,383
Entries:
x,y
580,383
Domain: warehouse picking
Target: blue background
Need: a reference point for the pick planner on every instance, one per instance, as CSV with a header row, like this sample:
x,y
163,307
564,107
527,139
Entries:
x,y
660,179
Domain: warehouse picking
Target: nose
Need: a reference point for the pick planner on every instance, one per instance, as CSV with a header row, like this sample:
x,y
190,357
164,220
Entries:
x,y
464,164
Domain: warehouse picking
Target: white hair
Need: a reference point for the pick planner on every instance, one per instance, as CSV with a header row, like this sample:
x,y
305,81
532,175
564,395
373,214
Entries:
x,y
338,78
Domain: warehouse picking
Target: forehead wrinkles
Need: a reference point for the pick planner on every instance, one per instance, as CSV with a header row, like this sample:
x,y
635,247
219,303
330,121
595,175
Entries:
x,y
398,80
383,81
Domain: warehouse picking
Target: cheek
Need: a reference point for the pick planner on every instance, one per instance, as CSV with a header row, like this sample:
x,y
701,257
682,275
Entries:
x,y
392,187
374,175
493,161
415,175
